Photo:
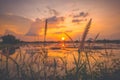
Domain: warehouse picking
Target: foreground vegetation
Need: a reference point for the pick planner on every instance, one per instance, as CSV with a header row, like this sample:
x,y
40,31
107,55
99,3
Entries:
x,y
40,66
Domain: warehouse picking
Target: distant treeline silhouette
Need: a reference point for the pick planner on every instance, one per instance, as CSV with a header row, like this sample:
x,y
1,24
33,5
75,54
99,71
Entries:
x,y
10,39
88,41
108,41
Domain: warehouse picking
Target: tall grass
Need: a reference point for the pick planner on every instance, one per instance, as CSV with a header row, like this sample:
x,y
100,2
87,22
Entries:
x,y
45,32
39,66
70,39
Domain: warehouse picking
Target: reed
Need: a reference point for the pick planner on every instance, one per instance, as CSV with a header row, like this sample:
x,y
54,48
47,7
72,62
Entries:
x,y
81,46
70,39
45,31
94,40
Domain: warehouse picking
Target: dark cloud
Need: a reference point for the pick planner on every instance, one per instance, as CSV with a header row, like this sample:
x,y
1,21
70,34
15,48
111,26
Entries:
x,y
52,19
53,11
77,20
55,19
81,14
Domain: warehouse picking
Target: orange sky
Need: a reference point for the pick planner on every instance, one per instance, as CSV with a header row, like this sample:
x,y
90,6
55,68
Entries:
x,y
25,18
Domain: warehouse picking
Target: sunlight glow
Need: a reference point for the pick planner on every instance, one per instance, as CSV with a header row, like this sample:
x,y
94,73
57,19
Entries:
x,y
63,45
63,38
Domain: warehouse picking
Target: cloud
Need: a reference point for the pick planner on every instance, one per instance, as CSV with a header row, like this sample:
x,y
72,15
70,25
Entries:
x,y
53,11
13,22
30,33
52,19
7,31
18,36
38,9
76,9
56,19
77,20
60,32
81,14
38,25
22,37
35,28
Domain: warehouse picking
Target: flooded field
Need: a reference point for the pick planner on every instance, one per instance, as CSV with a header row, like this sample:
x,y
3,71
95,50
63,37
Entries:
x,y
47,61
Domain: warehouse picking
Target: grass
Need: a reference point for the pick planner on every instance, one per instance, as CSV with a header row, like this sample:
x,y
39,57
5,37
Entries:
x,y
39,66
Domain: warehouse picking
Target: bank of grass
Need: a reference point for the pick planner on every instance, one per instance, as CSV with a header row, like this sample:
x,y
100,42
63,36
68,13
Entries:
x,y
39,66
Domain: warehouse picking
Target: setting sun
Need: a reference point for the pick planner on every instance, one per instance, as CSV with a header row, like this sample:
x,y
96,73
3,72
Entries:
x,y
63,38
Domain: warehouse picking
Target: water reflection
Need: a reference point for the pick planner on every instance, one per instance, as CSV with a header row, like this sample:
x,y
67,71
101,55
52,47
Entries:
x,y
9,50
59,59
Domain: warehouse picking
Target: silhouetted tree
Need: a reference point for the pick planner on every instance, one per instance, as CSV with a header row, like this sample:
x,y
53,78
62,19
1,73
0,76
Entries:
x,y
9,39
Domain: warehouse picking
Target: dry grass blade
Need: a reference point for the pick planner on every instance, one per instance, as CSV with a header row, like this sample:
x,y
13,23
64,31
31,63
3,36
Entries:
x,y
70,39
87,57
96,37
17,65
94,40
45,32
81,46
85,34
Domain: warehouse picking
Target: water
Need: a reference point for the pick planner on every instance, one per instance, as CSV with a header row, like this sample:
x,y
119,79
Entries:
x,y
34,54
56,50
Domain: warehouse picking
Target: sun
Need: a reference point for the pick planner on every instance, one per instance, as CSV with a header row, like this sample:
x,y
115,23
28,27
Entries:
x,y
63,38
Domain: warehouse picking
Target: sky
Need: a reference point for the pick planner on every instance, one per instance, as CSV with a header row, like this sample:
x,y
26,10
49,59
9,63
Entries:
x,y
26,18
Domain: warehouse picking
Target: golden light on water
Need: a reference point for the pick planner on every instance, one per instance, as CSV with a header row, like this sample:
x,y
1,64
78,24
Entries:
x,y
63,45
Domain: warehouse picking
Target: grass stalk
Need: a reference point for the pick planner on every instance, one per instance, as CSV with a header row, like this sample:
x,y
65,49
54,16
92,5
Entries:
x,y
70,39
45,32
81,46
